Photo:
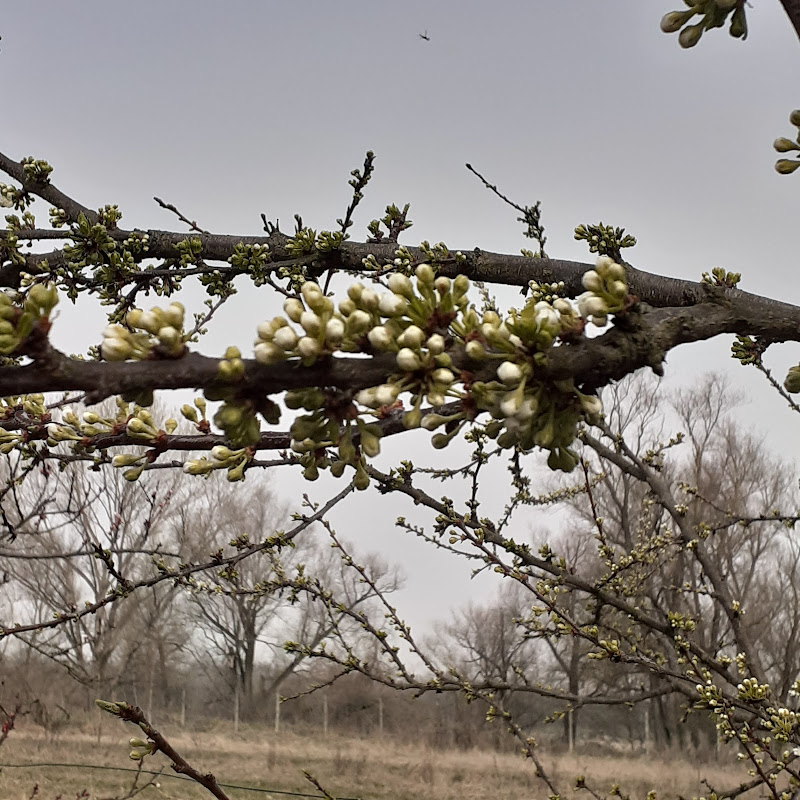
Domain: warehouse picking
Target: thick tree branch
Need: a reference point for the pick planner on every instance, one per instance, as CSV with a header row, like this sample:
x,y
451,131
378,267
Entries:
x,y
792,9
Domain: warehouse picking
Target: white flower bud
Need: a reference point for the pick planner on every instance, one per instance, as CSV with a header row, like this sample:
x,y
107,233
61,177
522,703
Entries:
x,y
509,373
442,284
354,292
311,323
475,350
310,291
150,322
386,394
444,376
619,289
400,284
425,274
590,305
285,338
592,281
369,300
293,308
380,338
512,402
435,344
591,405
366,397
436,398
358,322
268,353
308,347
392,305
347,307
408,360
413,336
266,330
334,330
174,315
603,263
115,350
170,337
115,332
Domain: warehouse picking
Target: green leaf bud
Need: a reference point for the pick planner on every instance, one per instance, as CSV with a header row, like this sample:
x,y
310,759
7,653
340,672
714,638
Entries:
x,y
412,418
370,444
675,20
460,286
786,167
784,145
361,479
690,35
792,381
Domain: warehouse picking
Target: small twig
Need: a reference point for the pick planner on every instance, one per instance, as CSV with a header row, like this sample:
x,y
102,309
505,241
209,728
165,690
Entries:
x,y
530,214
314,782
191,223
129,713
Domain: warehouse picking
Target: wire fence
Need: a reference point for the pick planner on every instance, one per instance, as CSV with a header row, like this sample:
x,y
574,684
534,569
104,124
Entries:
x,y
168,776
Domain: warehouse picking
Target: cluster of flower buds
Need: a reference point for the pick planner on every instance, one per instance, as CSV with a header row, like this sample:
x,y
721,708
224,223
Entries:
x,y
792,381
158,332
234,461
331,435
141,748
17,320
606,291
712,13
786,166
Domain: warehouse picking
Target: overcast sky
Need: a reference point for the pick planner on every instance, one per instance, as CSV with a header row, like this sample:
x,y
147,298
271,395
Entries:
x,y
229,110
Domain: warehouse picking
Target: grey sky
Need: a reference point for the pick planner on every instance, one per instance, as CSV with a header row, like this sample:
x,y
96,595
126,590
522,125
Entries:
x,y
229,110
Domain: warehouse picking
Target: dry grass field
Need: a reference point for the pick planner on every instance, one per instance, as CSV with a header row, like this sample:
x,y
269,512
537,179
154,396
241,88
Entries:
x,y
371,769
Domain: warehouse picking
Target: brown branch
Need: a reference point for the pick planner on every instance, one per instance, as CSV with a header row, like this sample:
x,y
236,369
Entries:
x,y
639,339
47,191
134,714
792,9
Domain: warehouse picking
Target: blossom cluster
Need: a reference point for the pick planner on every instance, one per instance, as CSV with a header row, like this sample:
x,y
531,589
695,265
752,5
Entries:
x,y
17,320
444,350
160,331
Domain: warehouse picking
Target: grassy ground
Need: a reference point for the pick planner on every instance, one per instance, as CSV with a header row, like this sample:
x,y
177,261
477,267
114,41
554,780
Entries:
x,y
371,769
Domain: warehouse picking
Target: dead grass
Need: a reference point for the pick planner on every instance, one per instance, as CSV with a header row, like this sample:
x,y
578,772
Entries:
x,y
348,767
